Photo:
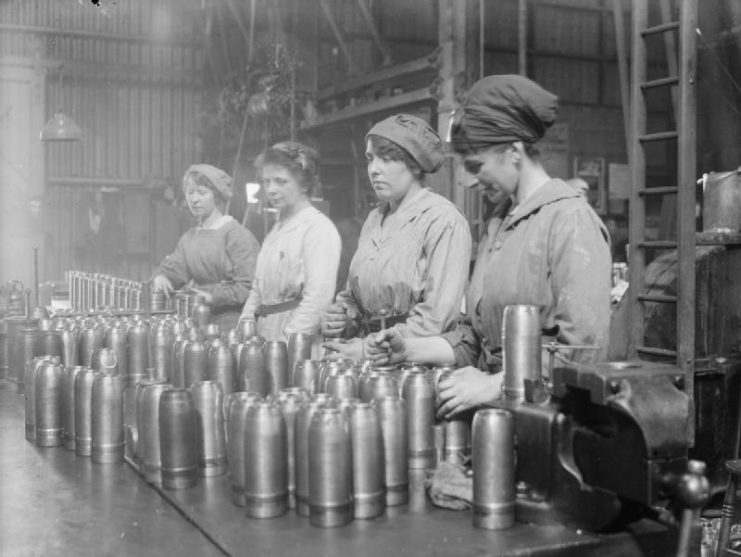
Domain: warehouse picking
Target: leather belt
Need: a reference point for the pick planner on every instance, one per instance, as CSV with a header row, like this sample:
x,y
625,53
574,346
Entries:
x,y
372,323
263,310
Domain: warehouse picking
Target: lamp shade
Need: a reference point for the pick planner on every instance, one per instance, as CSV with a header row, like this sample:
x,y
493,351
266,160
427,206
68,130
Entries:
x,y
61,128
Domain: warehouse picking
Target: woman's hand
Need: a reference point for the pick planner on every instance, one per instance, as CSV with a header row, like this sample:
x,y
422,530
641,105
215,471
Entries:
x,y
385,347
467,388
333,321
161,283
351,349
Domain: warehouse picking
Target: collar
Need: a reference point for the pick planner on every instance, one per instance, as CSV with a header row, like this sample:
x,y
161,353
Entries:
x,y
420,202
285,225
218,223
552,191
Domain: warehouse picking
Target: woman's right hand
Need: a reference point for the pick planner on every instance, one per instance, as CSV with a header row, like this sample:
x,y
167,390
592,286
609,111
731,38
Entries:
x,y
161,283
385,347
334,321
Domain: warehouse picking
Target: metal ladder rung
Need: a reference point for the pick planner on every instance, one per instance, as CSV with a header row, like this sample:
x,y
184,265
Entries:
x,y
664,352
659,191
658,298
659,136
663,28
660,244
663,82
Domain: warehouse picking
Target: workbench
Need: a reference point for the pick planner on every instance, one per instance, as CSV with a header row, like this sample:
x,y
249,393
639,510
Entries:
x,y
54,503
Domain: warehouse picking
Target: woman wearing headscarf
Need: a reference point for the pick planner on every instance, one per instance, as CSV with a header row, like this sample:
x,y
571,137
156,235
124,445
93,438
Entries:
x,y
411,266
216,258
296,272
544,246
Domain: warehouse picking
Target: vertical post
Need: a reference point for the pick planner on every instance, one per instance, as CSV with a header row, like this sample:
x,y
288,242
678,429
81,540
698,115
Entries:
x,y
687,128
522,37
637,224
619,17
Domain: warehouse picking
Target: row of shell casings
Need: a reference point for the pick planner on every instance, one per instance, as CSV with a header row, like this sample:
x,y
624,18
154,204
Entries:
x,y
89,291
76,407
429,441
332,460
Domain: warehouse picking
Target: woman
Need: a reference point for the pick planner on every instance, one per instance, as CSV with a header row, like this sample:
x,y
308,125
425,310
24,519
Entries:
x,y
297,266
411,265
544,246
216,258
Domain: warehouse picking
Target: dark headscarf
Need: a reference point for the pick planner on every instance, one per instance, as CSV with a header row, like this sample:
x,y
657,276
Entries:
x,y
415,136
502,109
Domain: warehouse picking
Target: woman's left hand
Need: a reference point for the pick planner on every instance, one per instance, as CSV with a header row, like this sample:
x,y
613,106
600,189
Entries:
x,y
206,295
351,349
467,388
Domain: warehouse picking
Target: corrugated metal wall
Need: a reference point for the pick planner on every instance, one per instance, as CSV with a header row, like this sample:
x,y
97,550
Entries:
x,y
131,75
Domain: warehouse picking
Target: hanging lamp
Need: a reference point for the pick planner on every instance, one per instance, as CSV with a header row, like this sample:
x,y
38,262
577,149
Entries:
x,y
60,127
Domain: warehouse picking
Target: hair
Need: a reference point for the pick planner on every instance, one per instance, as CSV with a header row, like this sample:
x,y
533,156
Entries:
x,y
532,150
203,180
388,149
297,158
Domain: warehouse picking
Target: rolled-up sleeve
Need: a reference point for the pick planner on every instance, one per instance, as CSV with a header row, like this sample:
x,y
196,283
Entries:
x,y
320,251
447,248
241,250
465,342
173,266
580,266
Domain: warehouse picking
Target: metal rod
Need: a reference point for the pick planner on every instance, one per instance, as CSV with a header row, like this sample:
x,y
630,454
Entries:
x,y
622,55
378,41
338,36
522,37
36,275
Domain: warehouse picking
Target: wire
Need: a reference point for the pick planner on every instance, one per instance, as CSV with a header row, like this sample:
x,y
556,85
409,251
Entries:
x,y
718,60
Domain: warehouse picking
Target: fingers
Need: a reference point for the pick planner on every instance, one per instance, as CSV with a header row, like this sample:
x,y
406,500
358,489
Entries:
x,y
332,346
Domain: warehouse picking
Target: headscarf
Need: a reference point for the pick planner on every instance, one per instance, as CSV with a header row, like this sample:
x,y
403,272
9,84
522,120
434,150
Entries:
x,y
415,136
502,109
220,180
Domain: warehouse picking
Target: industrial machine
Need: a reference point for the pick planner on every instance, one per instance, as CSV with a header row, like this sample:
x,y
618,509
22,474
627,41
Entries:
x,y
610,440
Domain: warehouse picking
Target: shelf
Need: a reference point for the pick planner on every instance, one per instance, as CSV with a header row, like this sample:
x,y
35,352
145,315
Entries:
x,y
381,105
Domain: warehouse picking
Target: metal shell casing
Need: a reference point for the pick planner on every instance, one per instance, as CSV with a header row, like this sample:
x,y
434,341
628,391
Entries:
x,y
266,470
220,366
369,482
178,445
521,348
208,403
392,416
107,419
299,349
419,395
84,381
330,469
276,364
148,426
493,438
305,413
237,405
48,404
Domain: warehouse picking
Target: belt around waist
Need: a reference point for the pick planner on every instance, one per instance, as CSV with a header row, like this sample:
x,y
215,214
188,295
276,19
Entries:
x,y
263,310
372,323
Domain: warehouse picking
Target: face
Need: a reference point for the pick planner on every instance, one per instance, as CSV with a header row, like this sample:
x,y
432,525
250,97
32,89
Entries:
x,y
201,200
281,187
495,172
391,180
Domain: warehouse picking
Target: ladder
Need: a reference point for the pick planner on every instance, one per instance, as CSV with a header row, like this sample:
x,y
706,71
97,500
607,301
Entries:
x,y
685,137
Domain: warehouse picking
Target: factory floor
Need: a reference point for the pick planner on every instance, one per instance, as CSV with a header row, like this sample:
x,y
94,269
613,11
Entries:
x,y
54,503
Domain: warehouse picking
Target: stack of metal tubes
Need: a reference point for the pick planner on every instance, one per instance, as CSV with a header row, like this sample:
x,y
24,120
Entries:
x,y
332,439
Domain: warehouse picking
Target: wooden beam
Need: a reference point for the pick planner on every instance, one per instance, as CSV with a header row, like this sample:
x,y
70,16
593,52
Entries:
x,y
386,74
381,105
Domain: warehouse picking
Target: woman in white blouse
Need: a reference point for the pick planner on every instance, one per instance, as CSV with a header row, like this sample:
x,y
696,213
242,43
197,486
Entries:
x,y
297,266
